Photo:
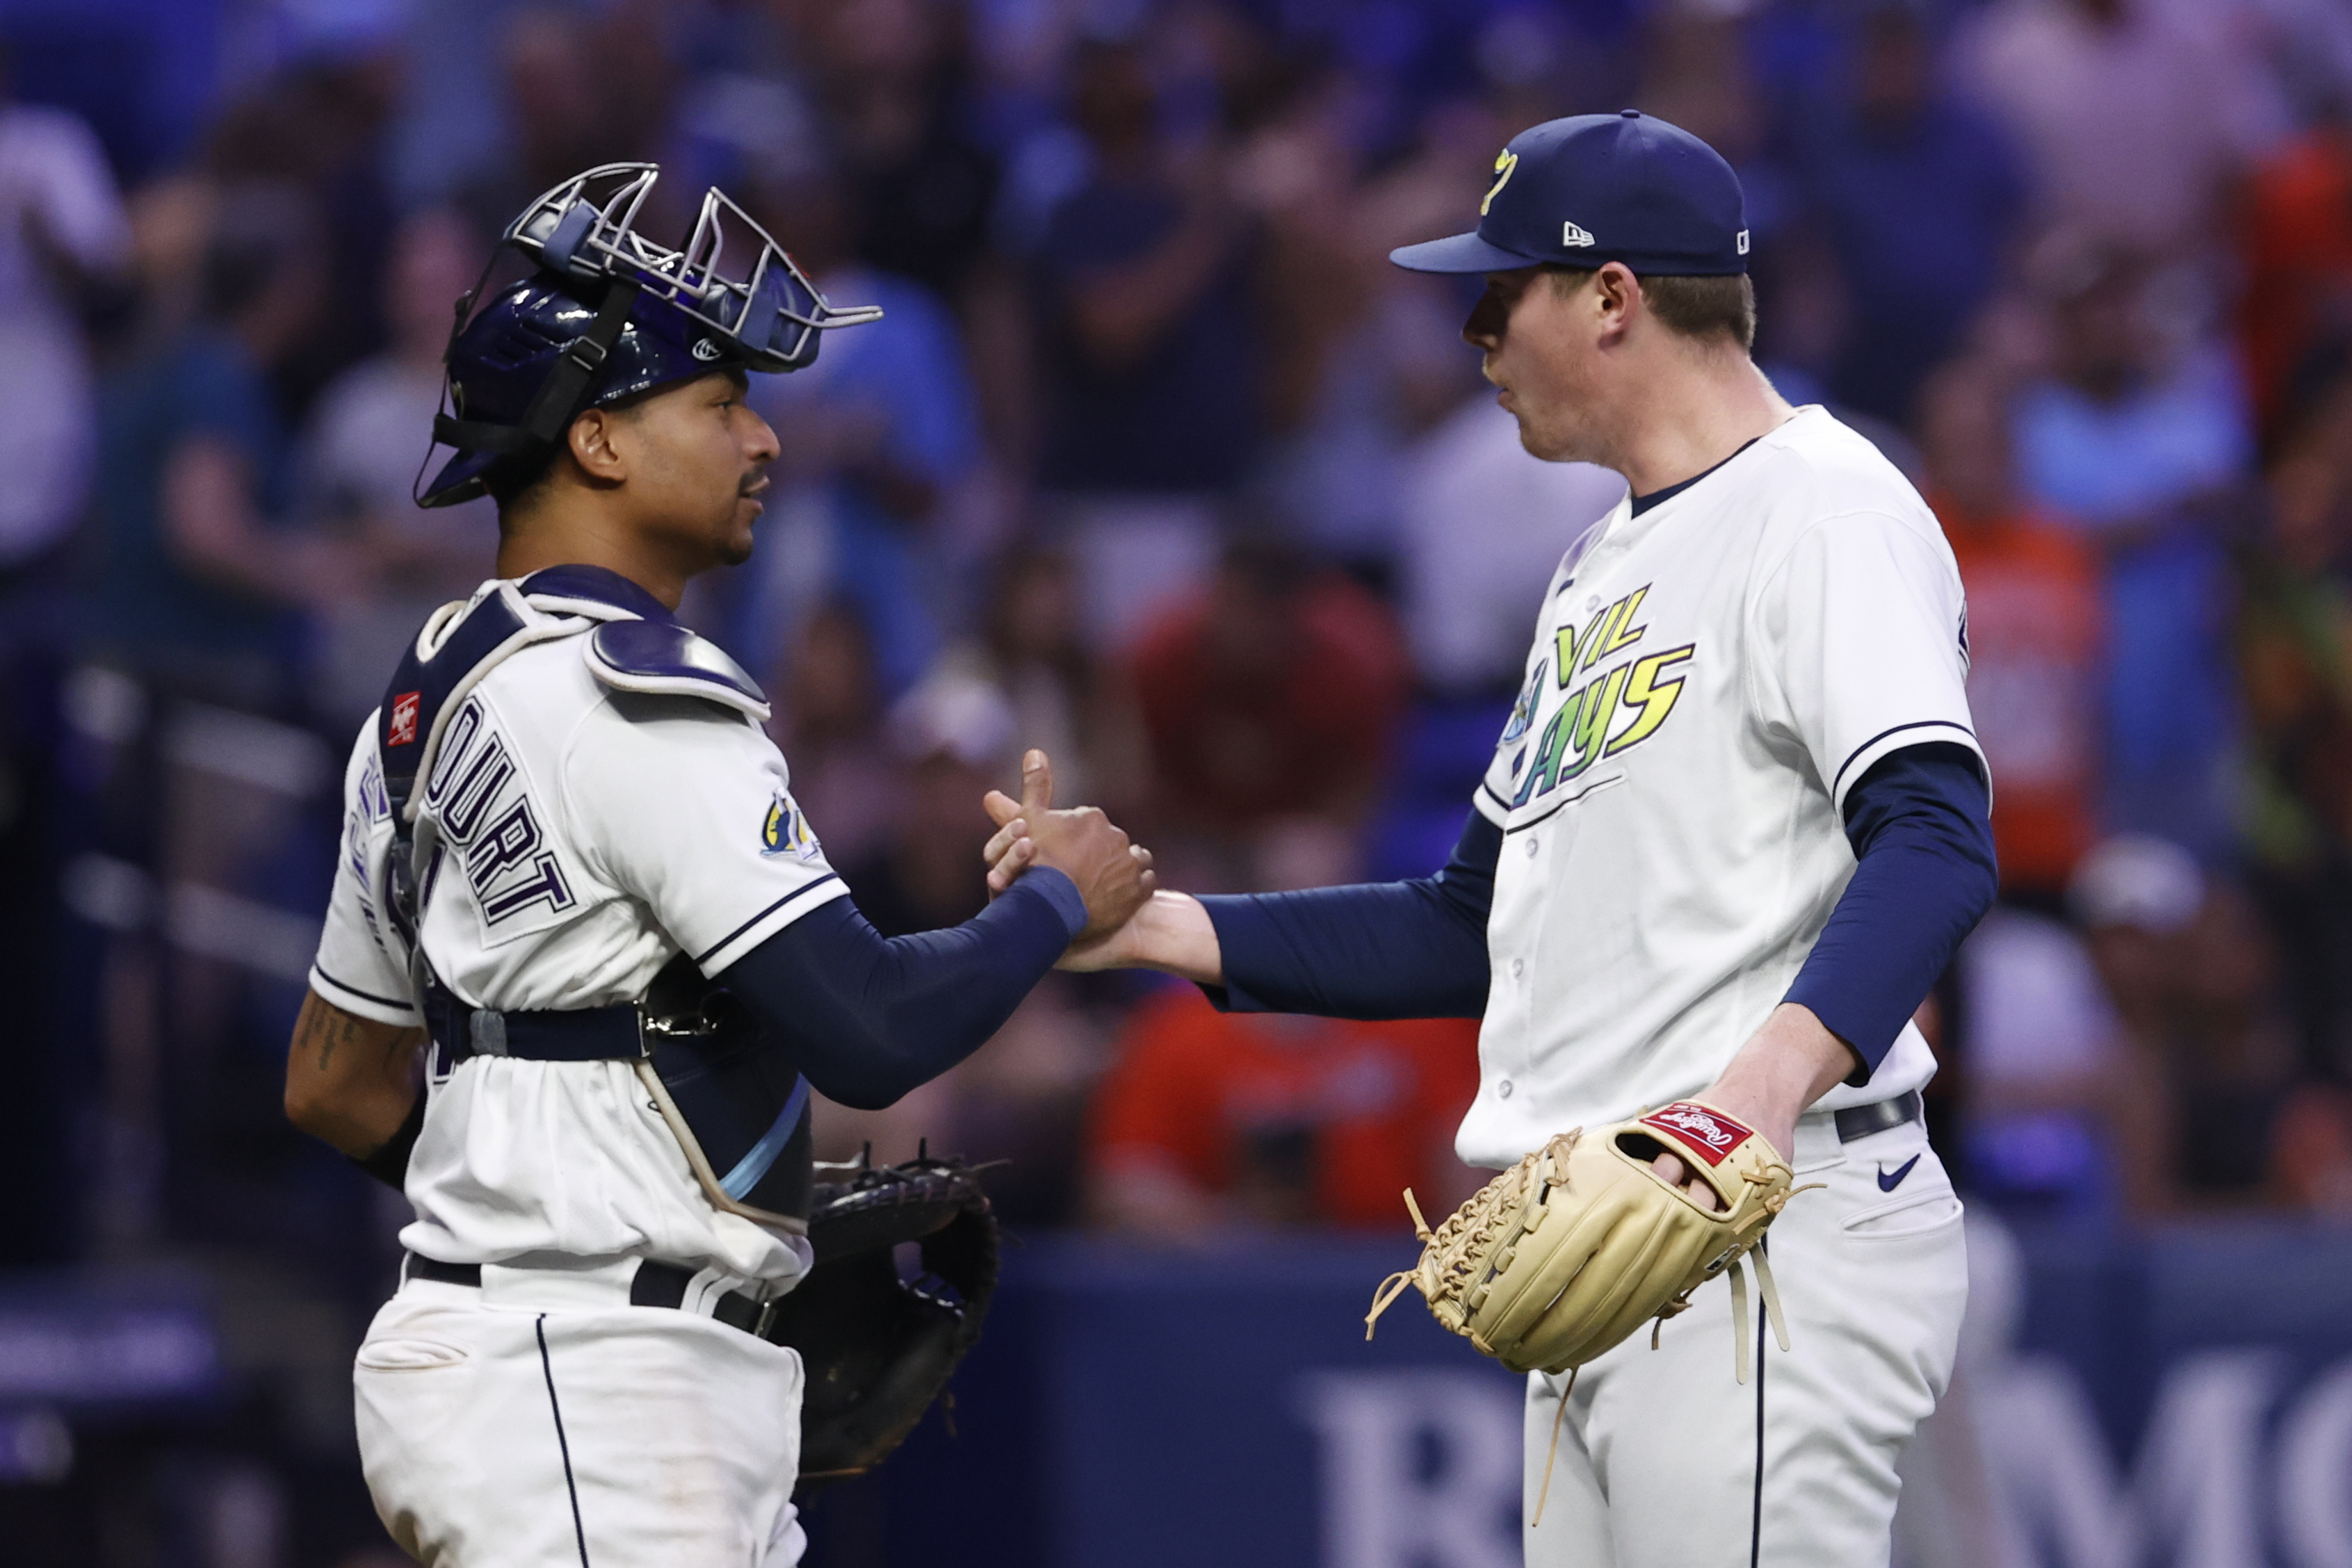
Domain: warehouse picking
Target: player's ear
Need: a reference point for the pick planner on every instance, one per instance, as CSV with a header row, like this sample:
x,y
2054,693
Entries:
x,y
1616,297
592,440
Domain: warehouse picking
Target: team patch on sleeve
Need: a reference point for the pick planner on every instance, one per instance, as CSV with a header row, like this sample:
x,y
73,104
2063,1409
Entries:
x,y
786,830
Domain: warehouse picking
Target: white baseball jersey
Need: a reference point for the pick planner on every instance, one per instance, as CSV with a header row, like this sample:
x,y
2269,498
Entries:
x,y
1709,680
590,835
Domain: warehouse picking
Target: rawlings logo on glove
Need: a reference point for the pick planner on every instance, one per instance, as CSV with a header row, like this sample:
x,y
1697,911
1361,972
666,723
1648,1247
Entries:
x,y
1716,1135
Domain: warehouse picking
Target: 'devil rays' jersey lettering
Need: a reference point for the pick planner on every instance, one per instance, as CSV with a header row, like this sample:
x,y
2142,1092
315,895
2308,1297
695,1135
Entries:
x,y
1611,704
487,820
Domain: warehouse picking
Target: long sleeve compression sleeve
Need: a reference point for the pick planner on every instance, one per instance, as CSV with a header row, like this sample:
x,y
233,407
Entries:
x,y
1921,825
1375,950
867,1018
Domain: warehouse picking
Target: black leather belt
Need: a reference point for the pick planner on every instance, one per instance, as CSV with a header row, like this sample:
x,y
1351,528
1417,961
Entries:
x,y
1861,1121
654,1285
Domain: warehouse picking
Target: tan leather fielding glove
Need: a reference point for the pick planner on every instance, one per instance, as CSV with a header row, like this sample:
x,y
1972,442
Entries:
x,y
1562,1256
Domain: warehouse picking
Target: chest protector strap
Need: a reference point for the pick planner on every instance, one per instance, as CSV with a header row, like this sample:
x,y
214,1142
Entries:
x,y
723,1085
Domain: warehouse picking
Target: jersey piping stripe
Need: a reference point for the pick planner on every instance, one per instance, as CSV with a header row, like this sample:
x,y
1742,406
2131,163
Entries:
x,y
1563,805
562,1444
405,1006
804,888
1756,1497
1498,800
1882,735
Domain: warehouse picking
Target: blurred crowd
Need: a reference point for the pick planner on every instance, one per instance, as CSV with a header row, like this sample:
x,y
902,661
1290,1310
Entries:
x,y
1154,462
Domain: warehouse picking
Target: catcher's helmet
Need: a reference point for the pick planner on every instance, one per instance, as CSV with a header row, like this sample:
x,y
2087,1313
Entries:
x,y
608,313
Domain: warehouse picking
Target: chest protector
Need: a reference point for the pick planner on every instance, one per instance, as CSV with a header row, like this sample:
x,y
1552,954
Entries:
x,y
725,1085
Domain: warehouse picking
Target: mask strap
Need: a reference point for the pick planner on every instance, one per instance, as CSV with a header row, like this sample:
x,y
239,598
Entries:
x,y
559,396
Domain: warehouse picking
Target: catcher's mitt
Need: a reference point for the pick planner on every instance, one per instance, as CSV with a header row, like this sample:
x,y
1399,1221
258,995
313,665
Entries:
x,y
877,1349
1562,1256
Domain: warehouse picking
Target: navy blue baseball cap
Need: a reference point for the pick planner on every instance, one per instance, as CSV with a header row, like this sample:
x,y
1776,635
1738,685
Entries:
x,y
1601,187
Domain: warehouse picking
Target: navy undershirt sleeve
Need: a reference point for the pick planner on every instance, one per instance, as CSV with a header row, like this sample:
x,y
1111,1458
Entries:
x,y
1921,825
1376,950
867,1018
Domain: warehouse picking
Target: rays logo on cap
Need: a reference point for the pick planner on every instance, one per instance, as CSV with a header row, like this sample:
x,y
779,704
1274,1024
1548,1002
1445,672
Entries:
x,y
1507,162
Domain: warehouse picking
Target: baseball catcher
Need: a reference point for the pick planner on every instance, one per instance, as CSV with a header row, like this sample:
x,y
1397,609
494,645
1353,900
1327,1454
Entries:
x,y
584,962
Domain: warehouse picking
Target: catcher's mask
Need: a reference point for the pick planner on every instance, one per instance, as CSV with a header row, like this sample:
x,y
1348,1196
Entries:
x,y
607,314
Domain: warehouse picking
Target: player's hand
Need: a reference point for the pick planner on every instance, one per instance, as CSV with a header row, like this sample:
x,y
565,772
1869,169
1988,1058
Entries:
x,y
1785,1066
1113,876
1012,852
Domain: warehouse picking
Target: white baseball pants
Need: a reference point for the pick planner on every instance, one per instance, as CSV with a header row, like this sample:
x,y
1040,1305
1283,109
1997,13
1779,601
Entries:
x,y
533,1423
1657,1462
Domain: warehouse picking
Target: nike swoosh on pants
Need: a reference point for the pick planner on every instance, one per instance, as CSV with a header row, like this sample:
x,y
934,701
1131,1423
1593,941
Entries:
x,y
1888,1183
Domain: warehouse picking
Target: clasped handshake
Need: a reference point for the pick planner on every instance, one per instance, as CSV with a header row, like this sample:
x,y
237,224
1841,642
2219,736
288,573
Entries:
x,y
1114,876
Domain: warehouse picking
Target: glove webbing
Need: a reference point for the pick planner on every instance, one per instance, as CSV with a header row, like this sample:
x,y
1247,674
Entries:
x,y
1452,1242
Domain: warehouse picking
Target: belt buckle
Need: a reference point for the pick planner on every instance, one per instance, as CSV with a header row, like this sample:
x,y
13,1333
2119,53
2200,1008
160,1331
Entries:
x,y
486,1032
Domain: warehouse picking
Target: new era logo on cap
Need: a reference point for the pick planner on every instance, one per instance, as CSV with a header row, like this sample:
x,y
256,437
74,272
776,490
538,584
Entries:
x,y
1574,238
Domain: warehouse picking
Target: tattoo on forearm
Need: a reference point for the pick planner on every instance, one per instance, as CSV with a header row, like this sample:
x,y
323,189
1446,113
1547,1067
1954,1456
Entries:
x,y
326,1029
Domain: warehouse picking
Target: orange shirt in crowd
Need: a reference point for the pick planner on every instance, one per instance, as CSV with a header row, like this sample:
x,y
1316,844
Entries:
x,y
1293,1120
2298,239
2036,639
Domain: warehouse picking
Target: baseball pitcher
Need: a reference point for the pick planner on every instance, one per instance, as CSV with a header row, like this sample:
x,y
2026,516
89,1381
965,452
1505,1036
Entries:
x,y
1734,829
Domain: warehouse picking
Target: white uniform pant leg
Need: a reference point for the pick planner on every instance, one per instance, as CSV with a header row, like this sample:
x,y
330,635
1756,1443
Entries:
x,y
1566,1523
666,1438
1656,1463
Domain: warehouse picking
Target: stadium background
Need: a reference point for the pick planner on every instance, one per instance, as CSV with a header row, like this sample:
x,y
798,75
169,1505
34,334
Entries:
x,y
1155,463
